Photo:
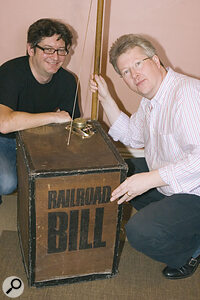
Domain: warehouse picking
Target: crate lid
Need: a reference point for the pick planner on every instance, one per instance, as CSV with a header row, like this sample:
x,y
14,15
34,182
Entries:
x,y
45,150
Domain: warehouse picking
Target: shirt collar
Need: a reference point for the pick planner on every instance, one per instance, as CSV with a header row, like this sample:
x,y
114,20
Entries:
x,y
158,98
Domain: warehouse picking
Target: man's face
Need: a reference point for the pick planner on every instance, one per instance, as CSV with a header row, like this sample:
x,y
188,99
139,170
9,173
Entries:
x,y
142,75
47,64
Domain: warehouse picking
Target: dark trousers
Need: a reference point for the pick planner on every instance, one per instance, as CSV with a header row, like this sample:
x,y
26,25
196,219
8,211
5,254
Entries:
x,y
8,173
165,228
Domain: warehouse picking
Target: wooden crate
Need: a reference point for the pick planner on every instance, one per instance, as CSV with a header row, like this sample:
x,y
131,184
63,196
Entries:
x,y
68,228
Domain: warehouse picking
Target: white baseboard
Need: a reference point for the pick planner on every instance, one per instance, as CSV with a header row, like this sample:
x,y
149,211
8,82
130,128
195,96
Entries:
x,y
127,152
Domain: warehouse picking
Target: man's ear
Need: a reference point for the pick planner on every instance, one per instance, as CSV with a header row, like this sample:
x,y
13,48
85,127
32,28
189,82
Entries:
x,y
30,50
156,59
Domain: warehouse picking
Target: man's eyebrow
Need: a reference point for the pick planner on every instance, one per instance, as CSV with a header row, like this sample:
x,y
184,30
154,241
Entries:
x,y
49,46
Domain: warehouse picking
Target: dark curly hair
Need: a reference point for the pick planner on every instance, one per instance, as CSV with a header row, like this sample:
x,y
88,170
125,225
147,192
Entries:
x,y
47,28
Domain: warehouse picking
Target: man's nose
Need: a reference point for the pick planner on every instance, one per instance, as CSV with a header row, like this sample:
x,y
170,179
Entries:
x,y
133,72
55,55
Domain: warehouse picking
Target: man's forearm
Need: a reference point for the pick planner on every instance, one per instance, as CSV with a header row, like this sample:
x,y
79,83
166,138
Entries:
x,y
111,110
16,121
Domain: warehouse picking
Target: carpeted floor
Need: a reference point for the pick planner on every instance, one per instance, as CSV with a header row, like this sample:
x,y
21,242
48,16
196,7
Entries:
x,y
139,278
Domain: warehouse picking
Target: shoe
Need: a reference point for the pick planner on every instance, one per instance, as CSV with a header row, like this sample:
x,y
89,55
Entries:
x,y
183,272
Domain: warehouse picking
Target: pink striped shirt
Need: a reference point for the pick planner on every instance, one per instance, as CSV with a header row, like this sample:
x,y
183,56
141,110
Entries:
x,y
168,127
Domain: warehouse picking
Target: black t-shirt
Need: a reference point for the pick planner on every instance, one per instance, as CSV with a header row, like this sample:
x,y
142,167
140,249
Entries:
x,y
20,91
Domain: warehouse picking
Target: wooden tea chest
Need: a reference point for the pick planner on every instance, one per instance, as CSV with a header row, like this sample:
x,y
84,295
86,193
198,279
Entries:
x,y
68,228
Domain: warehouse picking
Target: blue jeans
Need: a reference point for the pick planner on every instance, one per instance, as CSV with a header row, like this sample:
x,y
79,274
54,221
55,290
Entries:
x,y
8,174
165,228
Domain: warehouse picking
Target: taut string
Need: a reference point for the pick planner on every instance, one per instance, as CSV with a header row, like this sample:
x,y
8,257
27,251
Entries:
x,y
79,74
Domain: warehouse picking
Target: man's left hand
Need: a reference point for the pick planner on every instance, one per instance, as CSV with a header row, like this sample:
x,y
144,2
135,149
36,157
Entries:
x,y
136,185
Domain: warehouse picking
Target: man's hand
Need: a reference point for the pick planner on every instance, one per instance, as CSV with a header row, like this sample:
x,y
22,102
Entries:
x,y
136,185
61,116
110,107
100,85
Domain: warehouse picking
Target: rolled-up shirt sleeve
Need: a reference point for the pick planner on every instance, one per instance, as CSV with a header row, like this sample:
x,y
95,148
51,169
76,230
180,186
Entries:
x,y
129,131
183,176
119,128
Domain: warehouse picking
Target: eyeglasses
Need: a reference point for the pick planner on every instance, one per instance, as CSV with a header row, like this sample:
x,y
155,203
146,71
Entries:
x,y
60,52
137,66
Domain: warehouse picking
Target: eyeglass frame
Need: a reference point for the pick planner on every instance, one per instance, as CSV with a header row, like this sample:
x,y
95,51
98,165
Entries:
x,y
139,61
53,49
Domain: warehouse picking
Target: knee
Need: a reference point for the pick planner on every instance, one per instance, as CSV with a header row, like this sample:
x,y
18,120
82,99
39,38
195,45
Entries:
x,y
8,184
143,234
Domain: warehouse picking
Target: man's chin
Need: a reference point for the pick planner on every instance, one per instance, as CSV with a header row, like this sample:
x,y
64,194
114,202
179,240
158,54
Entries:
x,y
53,70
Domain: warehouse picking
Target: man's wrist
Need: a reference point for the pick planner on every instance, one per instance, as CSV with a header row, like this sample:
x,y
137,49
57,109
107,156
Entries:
x,y
156,180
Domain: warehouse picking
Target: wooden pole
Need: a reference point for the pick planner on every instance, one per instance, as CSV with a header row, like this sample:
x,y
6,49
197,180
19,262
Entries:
x,y
97,56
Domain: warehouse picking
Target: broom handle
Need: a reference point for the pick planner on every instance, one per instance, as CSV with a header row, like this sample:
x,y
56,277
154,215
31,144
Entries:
x,y
97,56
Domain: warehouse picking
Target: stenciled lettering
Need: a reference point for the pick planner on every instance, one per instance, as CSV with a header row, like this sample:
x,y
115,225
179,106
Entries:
x,y
98,229
57,235
78,197
64,232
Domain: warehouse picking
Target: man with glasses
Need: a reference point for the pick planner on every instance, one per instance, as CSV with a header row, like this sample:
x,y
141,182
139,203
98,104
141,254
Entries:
x,y
165,186
34,90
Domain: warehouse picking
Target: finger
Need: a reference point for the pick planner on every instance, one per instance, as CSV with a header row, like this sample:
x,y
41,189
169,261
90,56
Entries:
x,y
93,76
102,81
112,199
122,200
93,89
121,189
69,118
93,83
125,198
98,80
118,195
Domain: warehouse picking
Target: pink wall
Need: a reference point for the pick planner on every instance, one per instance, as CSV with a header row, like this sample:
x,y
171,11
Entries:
x,y
173,25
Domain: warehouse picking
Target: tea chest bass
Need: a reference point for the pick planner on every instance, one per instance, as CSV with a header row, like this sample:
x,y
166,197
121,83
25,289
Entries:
x,y
68,228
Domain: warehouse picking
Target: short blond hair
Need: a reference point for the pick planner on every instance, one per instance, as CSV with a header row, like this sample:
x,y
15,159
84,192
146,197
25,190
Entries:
x,y
126,42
